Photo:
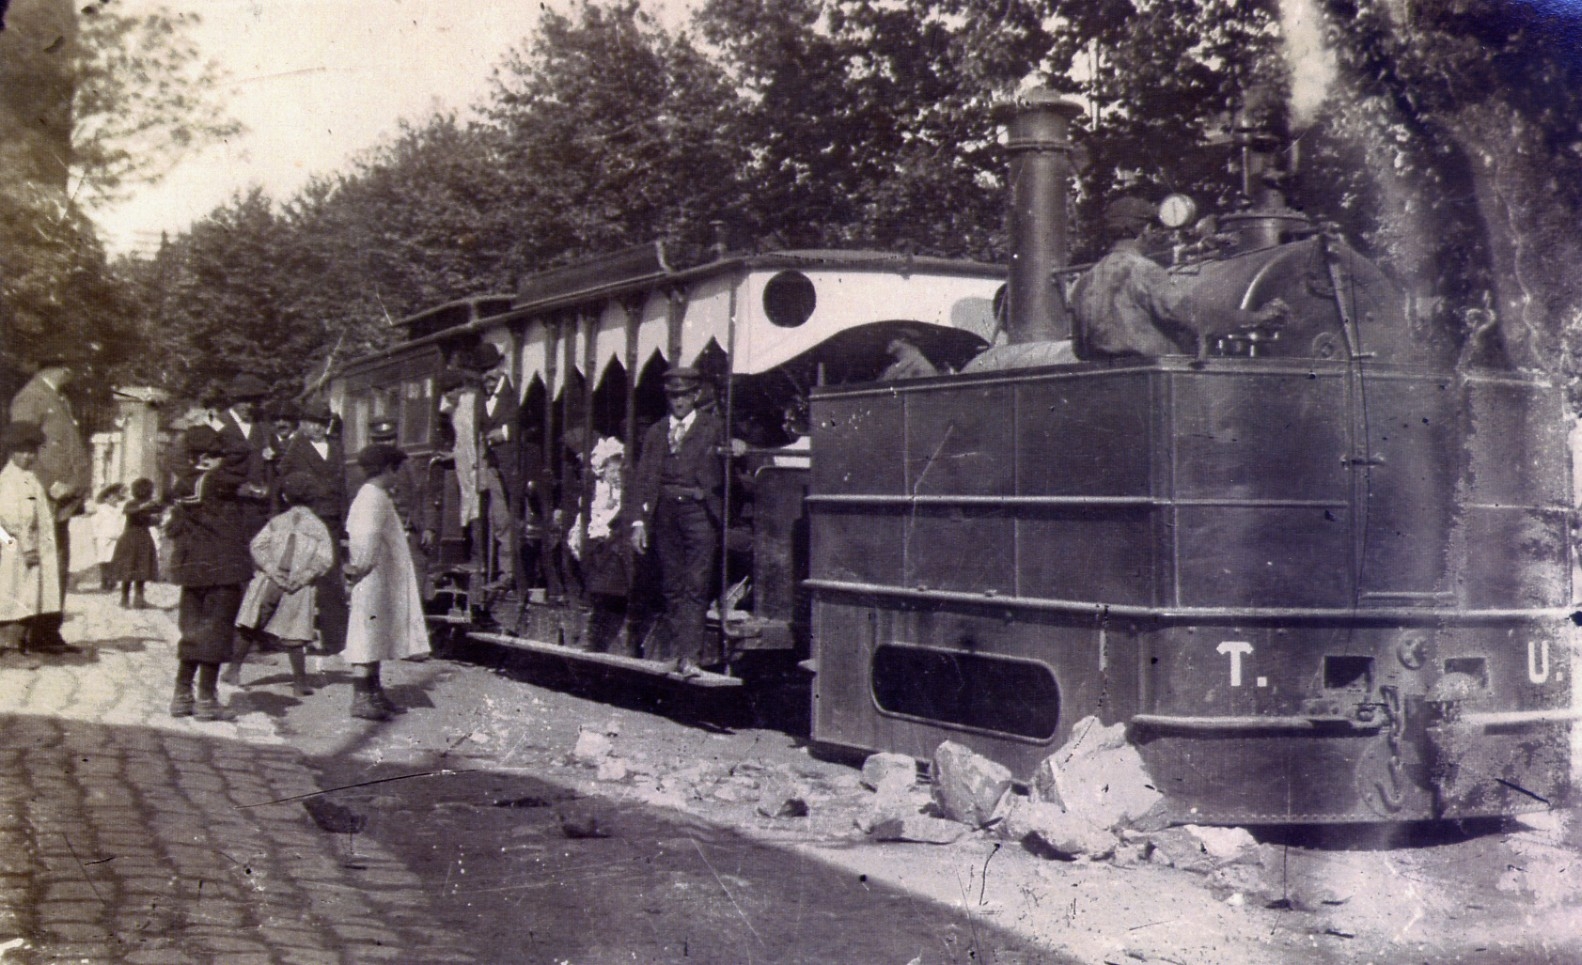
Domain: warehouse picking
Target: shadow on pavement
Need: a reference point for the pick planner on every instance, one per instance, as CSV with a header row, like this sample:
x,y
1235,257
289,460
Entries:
x,y
533,871
154,844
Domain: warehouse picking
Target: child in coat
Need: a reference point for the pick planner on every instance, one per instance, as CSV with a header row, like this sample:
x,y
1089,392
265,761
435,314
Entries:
x,y
387,621
107,523
136,559
208,560
291,553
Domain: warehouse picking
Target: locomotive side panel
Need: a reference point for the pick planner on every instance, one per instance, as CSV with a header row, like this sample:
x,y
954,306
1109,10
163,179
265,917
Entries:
x,y
1245,560
1408,455
1259,487
1084,456
1515,504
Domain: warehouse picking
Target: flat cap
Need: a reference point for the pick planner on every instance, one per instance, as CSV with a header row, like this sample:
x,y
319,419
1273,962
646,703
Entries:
x,y
1129,212
315,412
482,358
684,377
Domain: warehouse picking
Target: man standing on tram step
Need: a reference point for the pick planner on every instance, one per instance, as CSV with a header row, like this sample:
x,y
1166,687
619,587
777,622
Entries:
x,y
416,499
678,504
241,426
313,453
63,466
500,472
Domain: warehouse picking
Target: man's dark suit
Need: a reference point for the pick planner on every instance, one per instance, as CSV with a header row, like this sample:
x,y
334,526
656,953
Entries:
x,y
329,472
500,432
678,499
257,491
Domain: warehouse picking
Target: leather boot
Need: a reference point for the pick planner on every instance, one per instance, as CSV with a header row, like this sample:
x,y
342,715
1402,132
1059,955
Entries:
x,y
209,708
383,701
299,672
181,705
363,705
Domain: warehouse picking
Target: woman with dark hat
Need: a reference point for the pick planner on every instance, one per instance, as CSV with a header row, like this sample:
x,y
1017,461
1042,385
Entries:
x,y
210,562
29,571
318,454
387,621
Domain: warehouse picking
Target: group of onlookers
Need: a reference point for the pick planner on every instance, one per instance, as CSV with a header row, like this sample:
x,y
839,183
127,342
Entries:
x,y
253,520
255,530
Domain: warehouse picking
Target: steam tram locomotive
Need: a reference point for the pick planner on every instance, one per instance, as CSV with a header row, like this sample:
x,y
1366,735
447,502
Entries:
x,y
1321,572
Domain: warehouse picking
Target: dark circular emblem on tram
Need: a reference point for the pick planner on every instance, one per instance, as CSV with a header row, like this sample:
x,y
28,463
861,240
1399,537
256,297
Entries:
x,y
789,299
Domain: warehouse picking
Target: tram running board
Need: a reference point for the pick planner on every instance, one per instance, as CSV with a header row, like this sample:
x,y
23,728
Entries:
x,y
652,668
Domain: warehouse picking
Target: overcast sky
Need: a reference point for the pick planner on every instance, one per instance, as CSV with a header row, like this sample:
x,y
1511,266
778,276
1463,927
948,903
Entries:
x,y
317,81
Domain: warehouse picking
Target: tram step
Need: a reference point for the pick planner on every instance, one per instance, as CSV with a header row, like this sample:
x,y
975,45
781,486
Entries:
x,y
652,668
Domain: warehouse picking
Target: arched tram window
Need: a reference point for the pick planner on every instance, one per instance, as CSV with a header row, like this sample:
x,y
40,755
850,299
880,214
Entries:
x,y
978,691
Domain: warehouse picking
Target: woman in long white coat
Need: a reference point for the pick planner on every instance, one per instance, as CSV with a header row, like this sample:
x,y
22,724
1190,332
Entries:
x,y
29,571
386,605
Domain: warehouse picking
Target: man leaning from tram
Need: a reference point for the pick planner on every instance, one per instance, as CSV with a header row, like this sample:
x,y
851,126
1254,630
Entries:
x,y
677,504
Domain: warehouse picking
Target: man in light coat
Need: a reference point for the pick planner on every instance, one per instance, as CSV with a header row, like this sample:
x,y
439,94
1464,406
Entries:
x,y
63,466
30,588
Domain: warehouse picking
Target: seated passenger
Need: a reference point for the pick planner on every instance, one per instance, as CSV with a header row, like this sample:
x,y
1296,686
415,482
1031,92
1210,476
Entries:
x,y
907,361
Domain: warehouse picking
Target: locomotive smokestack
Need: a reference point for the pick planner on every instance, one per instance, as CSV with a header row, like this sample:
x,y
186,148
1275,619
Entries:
x,y
1040,149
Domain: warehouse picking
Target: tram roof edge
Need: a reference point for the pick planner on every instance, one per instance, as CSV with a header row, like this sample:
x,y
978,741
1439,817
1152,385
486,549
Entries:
x,y
643,268
565,288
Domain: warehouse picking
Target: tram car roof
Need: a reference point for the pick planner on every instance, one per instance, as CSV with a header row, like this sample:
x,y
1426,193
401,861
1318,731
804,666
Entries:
x,y
784,305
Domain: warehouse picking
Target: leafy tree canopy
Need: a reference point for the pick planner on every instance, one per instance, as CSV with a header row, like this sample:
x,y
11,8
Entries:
x,y
1448,144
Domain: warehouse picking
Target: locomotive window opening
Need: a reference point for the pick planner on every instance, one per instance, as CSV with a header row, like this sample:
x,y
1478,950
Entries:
x,y
1348,673
983,692
1475,667
789,299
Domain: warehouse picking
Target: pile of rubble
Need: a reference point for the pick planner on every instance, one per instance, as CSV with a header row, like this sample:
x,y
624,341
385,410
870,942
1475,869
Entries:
x,y
1090,801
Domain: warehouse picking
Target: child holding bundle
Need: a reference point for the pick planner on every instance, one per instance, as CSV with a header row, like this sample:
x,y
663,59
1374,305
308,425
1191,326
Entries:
x,y
290,553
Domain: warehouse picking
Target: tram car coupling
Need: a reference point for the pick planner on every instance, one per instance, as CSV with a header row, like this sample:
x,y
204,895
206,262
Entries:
x,y
1322,572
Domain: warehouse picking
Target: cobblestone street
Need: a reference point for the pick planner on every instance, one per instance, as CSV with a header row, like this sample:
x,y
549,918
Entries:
x,y
130,836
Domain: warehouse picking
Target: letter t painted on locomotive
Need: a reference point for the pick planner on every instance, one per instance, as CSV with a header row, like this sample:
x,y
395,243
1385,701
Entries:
x,y
1236,648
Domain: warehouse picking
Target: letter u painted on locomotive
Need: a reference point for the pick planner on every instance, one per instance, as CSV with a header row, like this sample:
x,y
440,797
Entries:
x,y
1317,564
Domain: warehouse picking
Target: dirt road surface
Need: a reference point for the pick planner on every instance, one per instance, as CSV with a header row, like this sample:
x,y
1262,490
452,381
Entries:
x,y
521,811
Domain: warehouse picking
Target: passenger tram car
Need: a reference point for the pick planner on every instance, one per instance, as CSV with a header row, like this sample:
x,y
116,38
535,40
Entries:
x,y
588,346
1321,572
